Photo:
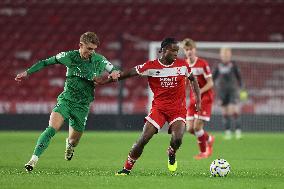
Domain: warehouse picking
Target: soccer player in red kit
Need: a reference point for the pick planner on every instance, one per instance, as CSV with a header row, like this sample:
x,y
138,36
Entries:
x,y
166,77
195,120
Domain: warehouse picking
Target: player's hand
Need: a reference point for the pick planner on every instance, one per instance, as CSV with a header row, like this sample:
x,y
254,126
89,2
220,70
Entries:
x,y
198,106
21,76
98,81
114,75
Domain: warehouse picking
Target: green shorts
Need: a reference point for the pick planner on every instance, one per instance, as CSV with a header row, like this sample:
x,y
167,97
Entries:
x,y
76,114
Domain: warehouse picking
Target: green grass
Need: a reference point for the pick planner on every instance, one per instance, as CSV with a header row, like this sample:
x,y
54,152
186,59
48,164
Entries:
x,y
257,161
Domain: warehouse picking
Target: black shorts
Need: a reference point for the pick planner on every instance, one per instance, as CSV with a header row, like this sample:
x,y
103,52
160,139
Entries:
x,y
228,96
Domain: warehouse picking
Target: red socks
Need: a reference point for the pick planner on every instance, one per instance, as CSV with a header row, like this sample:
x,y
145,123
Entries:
x,y
202,140
129,163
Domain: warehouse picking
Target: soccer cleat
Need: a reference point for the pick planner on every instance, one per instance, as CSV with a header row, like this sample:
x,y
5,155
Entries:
x,y
69,152
30,165
123,172
201,155
172,164
209,148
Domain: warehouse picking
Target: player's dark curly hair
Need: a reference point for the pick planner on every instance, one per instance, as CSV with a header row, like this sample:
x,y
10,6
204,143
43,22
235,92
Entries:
x,y
167,41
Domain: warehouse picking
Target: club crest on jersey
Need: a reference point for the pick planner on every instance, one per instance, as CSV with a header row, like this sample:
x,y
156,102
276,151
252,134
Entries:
x,y
178,71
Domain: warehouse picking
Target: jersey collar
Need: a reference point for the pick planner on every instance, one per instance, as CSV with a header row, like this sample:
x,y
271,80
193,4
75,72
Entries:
x,y
164,64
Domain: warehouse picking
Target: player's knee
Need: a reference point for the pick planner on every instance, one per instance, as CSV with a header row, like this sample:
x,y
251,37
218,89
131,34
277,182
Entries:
x,y
143,141
198,125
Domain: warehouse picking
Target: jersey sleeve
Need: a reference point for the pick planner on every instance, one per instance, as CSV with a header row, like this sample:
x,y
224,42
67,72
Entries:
x,y
63,58
206,68
143,69
109,67
237,74
216,73
41,64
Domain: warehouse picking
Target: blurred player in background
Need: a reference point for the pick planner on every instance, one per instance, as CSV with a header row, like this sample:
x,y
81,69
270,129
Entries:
x,y
166,77
195,120
228,82
74,102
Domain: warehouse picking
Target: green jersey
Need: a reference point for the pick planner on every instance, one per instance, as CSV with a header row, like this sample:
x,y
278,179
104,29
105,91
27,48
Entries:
x,y
79,86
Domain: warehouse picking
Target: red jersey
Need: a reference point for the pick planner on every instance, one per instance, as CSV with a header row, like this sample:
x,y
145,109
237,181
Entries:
x,y
201,70
167,82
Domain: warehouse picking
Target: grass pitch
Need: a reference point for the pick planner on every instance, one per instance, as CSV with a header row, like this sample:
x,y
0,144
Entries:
x,y
257,161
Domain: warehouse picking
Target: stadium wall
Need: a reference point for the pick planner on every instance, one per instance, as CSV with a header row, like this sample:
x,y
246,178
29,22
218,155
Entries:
x,y
259,123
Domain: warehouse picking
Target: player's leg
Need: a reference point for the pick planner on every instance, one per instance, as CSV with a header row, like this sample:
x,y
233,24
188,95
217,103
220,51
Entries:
x,y
226,121
77,124
55,123
74,136
71,142
189,126
190,118
177,129
236,121
205,141
202,138
154,122
226,118
148,131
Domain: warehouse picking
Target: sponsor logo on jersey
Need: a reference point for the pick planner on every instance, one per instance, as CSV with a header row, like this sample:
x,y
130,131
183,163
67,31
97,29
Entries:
x,y
168,82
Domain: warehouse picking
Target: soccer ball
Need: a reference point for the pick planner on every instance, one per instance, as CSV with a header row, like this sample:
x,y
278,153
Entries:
x,y
220,167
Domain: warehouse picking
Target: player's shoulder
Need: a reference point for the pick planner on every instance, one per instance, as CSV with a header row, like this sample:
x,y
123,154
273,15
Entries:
x,y
155,61
97,55
99,58
202,60
70,54
151,63
181,62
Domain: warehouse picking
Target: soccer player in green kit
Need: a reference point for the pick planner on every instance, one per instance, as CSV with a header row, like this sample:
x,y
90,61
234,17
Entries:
x,y
73,103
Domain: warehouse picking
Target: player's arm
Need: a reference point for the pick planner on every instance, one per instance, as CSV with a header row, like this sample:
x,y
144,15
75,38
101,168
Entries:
x,y
209,84
215,74
36,67
113,71
129,73
208,77
196,90
238,75
115,76
102,80
243,94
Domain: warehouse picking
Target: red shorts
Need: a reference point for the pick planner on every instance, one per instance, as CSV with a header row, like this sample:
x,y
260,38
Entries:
x,y
158,118
206,108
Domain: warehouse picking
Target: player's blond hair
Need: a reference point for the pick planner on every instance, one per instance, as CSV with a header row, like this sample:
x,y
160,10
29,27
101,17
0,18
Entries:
x,y
90,37
187,42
